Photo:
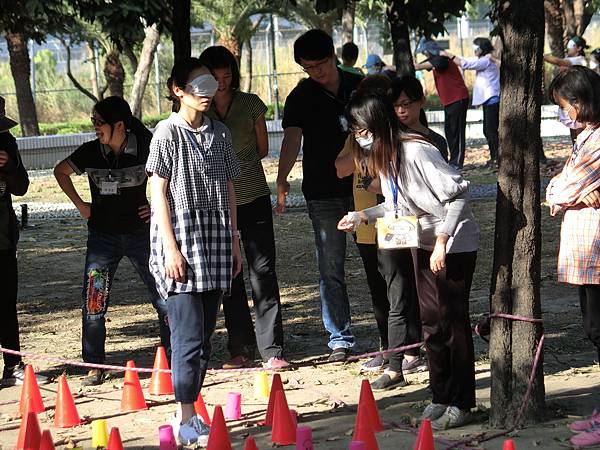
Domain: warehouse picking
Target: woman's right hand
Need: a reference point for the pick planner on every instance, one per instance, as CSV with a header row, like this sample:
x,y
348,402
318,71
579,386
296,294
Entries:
x,y
85,209
175,265
350,222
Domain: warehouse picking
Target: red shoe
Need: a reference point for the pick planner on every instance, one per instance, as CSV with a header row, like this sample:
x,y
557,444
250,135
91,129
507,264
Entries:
x,y
238,362
276,363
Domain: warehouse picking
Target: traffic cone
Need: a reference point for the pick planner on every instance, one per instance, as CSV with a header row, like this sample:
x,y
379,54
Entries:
x,y
284,430
367,402
425,437
133,397
114,440
276,385
201,410
29,431
250,444
161,382
65,412
508,445
99,433
47,443
30,390
363,430
261,385
218,438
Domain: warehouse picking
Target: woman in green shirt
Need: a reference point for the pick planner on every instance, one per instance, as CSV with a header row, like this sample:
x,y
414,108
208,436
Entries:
x,y
244,114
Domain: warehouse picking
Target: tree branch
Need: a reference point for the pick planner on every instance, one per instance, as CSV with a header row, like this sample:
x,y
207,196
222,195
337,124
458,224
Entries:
x,y
76,83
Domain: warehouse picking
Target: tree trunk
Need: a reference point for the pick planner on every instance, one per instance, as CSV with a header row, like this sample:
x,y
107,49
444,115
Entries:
x,y
516,270
579,13
247,85
554,25
140,78
93,73
570,26
348,21
20,70
114,73
231,43
182,41
400,39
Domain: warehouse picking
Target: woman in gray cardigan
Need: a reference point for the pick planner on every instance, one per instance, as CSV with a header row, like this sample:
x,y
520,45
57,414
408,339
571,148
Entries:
x,y
416,181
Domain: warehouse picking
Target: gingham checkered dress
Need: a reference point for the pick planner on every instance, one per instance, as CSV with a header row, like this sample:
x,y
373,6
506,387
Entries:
x,y
198,164
579,253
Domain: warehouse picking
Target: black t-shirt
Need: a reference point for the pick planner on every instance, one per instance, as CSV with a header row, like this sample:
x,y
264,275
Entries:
x,y
320,115
117,183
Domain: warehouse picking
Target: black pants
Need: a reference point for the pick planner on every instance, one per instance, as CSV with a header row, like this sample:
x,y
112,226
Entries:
x,y
589,298
255,223
455,123
377,289
404,326
491,121
9,325
444,305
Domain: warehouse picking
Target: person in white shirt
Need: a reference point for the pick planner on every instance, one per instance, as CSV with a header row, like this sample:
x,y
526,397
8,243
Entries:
x,y
486,90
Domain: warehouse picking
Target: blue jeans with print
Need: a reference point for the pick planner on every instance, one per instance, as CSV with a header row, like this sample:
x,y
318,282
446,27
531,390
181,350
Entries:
x,y
331,254
104,252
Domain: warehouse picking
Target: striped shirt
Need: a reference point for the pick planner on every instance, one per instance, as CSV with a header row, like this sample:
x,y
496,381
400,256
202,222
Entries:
x,y
579,251
241,118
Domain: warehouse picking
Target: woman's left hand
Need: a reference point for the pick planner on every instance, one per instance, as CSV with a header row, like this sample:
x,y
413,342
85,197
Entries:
x,y
237,256
437,262
592,200
144,213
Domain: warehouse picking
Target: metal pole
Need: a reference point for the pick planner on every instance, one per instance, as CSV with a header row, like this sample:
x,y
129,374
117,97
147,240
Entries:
x,y
157,79
32,67
97,63
274,67
268,50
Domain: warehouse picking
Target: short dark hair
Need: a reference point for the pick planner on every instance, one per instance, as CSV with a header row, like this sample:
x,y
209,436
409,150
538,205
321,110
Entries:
x,y
484,44
376,84
180,73
579,86
114,109
349,51
313,45
219,57
408,84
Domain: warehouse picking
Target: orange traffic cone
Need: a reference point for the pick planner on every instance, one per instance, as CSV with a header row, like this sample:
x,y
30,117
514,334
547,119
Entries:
x,y
29,431
367,403
133,397
284,429
200,409
508,445
276,385
363,430
160,382
218,438
30,390
47,443
250,444
114,440
65,412
425,437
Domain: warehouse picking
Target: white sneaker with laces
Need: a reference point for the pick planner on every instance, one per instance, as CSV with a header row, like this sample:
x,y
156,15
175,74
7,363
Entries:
x,y
433,411
453,417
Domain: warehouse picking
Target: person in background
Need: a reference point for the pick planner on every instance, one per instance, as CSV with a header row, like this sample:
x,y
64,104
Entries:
x,y
244,116
376,66
13,181
194,239
595,60
313,119
349,57
453,94
117,219
486,90
576,193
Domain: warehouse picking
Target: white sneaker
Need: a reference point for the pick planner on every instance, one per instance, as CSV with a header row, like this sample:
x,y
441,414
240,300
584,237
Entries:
x,y
433,411
452,418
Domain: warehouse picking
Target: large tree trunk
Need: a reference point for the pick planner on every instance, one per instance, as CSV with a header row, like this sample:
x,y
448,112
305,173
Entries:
x,y
93,73
403,61
516,270
114,73
231,43
554,27
247,85
20,69
182,41
348,21
140,78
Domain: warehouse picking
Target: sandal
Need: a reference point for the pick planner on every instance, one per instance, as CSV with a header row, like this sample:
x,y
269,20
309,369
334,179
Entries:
x,y
385,382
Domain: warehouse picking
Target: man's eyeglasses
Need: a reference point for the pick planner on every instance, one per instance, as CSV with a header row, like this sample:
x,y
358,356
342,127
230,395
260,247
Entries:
x,y
97,122
405,105
315,67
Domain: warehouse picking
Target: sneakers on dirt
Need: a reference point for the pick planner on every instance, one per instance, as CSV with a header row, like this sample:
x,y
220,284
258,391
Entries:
x,y
419,364
453,417
592,422
93,378
15,376
385,382
238,362
586,439
276,363
433,411
193,432
375,364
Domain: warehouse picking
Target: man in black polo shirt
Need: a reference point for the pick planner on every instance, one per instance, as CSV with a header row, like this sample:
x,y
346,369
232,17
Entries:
x,y
118,218
314,110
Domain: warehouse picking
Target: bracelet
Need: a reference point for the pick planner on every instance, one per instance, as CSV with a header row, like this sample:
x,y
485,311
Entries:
x,y
235,233
453,56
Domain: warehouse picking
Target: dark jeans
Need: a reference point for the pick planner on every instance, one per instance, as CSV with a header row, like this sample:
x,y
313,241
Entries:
x,y
192,318
455,123
9,324
331,255
377,289
491,121
404,323
255,223
444,304
589,299
104,252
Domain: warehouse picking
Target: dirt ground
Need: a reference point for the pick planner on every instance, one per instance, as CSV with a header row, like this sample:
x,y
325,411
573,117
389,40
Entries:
x,y
51,260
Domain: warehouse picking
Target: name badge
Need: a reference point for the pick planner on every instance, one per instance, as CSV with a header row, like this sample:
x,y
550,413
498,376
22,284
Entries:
x,y
397,232
109,187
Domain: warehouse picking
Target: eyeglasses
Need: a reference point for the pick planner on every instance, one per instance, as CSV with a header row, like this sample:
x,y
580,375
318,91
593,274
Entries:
x,y
315,67
97,122
405,105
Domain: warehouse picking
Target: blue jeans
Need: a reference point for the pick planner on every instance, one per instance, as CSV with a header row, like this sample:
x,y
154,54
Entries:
x,y
331,254
104,252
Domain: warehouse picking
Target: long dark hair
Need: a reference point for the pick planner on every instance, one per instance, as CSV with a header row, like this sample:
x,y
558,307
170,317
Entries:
x,y
485,45
579,86
219,57
180,74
